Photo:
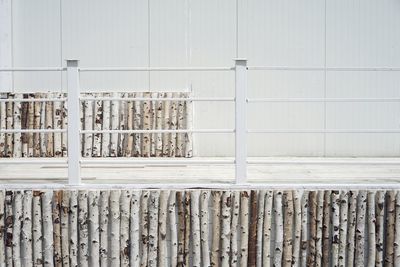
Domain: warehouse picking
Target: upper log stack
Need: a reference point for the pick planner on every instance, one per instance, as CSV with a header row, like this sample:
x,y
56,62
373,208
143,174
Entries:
x,y
199,228
98,115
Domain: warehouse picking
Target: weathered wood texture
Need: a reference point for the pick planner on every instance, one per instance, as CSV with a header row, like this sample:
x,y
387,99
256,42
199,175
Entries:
x,y
97,115
136,228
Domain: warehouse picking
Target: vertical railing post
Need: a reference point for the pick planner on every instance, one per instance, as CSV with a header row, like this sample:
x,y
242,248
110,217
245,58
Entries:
x,y
74,151
240,121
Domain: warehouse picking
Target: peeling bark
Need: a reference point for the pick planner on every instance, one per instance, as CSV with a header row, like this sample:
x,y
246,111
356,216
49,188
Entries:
x,y
380,212
278,229
234,227
16,230
344,207
244,227
173,228
304,228
351,232
360,228
226,228
390,225
57,228
65,210
335,227
195,222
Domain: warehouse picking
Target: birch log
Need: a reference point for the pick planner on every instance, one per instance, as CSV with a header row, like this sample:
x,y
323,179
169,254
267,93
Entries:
x,y
57,228
49,125
65,228
297,228
226,227
144,228
3,125
266,261
137,124
173,228
326,232
2,225
344,206
94,231
319,235
380,212
162,232
37,229
173,125
129,124
360,228
189,126
153,125
36,125
48,244
30,125
180,137
159,124
304,228
167,123
313,227
9,227
234,225
43,136
187,228
216,231
83,228
352,227
24,125
105,147
288,228
390,225
244,227
278,229
17,149
88,125
252,254
114,228
122,139
104,227
97,125
10,125
73,249
135,229
181,227
114,126
397,231
204,219
260,223
146,137
57,114
195,222
16,229
153,227
124,228
335,227
371,229
64,135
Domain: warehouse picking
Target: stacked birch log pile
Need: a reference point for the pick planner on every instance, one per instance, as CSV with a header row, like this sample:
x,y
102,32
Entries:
x,y
98,115
199,228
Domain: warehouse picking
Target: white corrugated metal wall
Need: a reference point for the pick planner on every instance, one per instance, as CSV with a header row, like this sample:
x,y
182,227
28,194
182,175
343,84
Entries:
x,y
311,33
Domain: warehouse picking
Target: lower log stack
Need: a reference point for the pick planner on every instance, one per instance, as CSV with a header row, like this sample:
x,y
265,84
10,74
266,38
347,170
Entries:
x,y
199,228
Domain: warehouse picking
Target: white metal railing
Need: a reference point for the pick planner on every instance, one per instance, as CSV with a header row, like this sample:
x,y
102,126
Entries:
x,y
240,99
